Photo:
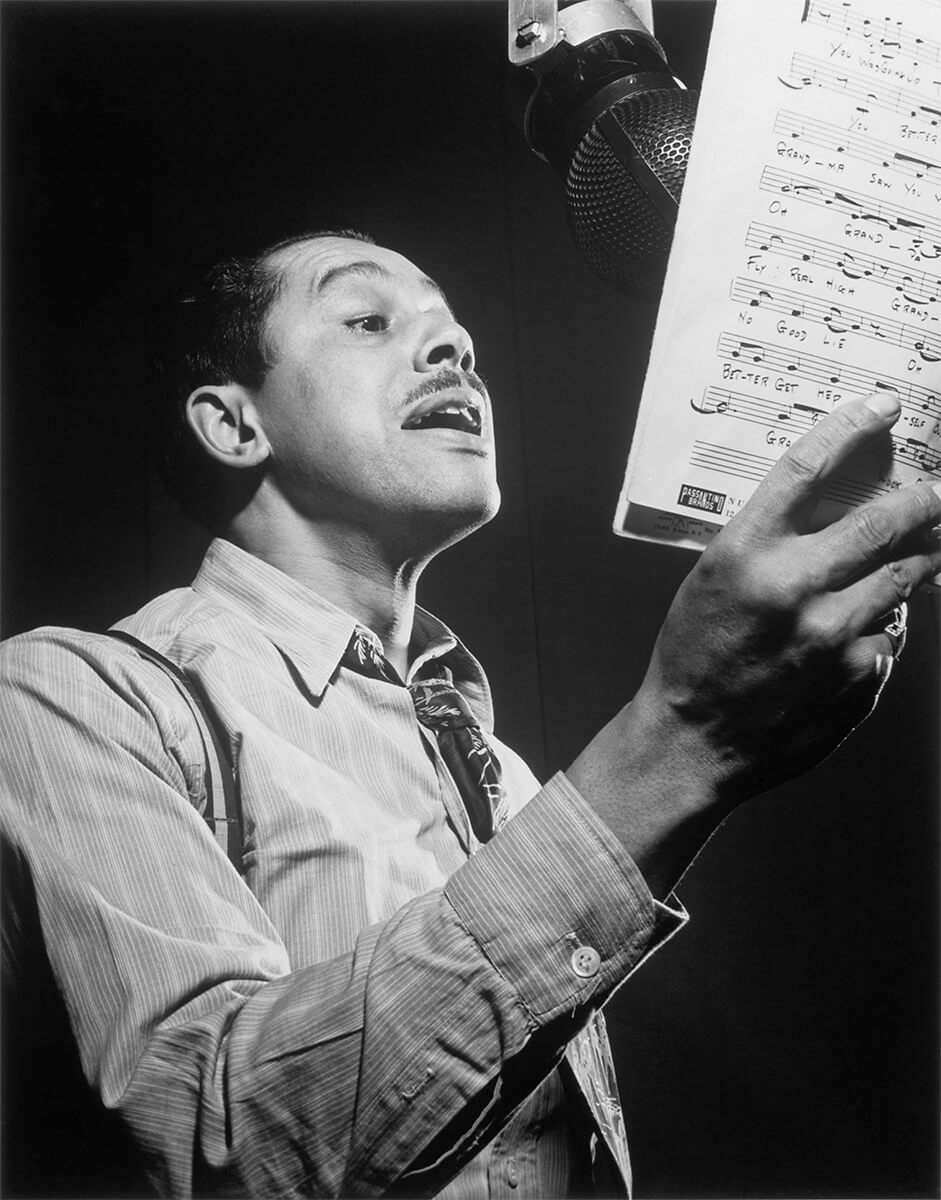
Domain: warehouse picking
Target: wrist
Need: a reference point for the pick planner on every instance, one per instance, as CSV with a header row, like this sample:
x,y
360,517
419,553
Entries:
x,y
657,783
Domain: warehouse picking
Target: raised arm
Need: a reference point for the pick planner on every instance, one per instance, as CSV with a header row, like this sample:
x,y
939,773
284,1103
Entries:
x,y
772,651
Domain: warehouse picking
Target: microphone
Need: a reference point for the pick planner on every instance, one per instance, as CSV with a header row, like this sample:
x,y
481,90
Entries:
x,y
615,122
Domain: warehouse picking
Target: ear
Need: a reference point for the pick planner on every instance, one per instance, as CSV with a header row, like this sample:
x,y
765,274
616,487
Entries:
x,y
227,425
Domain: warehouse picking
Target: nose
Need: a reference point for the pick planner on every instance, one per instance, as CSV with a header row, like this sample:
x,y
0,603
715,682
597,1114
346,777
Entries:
x,y
446,344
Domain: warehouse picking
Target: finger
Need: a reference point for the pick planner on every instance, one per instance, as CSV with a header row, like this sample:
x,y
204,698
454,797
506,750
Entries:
x,y
893,537
867,665
873,657
868,606
785,498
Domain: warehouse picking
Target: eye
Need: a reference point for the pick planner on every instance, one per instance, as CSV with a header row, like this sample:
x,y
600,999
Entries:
x,y
369,323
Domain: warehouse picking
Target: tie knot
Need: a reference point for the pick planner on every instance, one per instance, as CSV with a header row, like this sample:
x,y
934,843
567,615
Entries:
x,y
439,705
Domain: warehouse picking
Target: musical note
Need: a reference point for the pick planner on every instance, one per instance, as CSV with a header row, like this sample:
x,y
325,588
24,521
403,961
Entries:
x,y
919,453
796,84
908,160
711,403
837,323
927,353
749,348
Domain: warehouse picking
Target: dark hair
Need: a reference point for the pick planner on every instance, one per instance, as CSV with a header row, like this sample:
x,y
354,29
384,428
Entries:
x,y
213,332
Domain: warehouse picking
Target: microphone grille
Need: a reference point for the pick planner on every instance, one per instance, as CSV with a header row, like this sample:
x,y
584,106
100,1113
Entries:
x,y
618,230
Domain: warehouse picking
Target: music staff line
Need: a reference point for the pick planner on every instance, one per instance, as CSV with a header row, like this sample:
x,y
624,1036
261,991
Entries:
x,y
889,35
916,288
806,71
814,369
729,460
797,418
924,231
838,319
853,145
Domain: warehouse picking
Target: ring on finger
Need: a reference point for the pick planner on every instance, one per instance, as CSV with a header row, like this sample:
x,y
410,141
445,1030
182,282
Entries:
x,y
896,627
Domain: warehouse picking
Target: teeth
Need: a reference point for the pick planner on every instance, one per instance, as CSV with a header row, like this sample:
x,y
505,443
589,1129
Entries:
x,y
455,414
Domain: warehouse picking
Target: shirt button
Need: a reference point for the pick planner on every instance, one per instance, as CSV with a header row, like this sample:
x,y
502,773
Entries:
x,y
512,1175
586,962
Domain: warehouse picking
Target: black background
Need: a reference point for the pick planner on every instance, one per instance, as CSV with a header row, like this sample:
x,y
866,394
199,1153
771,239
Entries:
x,y
786,1043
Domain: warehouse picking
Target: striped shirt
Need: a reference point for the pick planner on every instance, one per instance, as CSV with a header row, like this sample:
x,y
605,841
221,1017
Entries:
x,y
377,1002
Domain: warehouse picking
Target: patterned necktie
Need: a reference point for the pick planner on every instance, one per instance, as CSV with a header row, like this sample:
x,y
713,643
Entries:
x,y
441,708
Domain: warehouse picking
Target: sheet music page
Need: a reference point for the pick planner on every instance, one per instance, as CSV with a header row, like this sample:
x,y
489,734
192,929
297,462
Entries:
x,y
805,266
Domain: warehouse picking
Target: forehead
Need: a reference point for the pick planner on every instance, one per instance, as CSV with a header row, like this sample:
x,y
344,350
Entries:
x,y
316,267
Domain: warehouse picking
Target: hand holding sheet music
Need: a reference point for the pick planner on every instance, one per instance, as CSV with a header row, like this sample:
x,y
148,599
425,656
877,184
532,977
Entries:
x,y
805,266
780,639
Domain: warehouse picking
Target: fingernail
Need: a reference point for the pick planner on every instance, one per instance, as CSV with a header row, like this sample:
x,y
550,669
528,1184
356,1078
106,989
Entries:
x,y
884,403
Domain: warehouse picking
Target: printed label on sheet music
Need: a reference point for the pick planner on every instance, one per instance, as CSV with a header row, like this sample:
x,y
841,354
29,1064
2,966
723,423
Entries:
x,y
705,501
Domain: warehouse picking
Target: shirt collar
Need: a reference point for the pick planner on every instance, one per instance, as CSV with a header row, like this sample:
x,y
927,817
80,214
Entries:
x,y
313,634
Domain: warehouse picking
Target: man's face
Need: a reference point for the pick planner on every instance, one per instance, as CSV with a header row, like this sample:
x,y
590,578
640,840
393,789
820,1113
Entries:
x,y
375,418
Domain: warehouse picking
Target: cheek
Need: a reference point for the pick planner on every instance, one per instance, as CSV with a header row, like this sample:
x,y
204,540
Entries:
x,y
326,444
293,413
337,405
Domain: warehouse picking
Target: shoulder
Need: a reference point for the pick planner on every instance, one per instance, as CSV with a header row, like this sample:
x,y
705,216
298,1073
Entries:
x,y
59,684
52,656
55,658
86,723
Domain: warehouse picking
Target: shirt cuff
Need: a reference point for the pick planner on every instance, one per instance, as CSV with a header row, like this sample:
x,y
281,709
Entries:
x,y
558,906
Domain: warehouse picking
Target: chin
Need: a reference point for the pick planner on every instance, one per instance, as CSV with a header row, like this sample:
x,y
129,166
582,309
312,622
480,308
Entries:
x,y
454,519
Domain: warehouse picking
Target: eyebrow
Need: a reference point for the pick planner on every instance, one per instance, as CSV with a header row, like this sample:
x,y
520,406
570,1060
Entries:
x,y
369,270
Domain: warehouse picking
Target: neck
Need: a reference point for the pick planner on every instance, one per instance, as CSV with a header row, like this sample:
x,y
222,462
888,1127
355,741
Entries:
x,y
349,571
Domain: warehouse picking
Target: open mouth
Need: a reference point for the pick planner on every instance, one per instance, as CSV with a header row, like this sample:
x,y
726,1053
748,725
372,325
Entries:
x,y
463,415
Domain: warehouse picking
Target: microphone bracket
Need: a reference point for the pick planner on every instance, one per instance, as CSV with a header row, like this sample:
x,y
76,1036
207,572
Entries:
x,y
533,30
536,27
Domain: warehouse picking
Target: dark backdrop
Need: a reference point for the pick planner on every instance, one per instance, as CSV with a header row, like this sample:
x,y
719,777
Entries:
x,y
786,1043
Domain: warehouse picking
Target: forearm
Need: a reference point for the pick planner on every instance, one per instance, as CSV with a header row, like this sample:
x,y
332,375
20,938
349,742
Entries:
x,y
653,782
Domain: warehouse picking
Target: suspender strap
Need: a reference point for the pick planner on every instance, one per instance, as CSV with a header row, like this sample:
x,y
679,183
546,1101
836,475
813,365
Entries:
x,y
223,804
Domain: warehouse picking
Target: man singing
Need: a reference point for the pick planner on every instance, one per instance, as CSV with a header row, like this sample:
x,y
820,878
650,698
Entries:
x,y
395,984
